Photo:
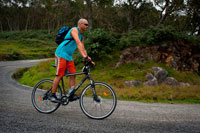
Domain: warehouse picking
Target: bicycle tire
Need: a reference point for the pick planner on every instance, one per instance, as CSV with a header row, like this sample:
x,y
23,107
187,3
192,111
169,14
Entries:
x,y
40,97
94,109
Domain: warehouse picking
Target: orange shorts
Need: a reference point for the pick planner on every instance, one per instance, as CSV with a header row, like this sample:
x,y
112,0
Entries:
x,y
62,65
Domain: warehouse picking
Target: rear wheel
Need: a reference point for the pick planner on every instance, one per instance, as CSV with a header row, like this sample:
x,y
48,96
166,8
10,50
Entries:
x,y
40,96
102,105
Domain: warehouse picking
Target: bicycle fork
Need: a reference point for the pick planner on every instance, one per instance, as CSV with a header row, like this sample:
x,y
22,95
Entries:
x,y
96,99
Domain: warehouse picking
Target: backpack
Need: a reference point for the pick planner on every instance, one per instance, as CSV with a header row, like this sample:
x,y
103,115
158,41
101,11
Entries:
x,y
60,37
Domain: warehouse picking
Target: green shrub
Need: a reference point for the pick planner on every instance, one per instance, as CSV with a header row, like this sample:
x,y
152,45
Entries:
x,y
99,43
18,35
133,38
159,34
154,35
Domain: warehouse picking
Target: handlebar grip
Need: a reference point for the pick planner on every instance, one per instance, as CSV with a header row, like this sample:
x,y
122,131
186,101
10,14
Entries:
x,y
89,63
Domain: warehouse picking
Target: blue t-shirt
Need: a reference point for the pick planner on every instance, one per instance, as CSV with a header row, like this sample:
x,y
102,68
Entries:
x,y
67,51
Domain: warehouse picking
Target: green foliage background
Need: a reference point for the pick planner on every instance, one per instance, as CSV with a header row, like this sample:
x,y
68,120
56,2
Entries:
x,y
99,43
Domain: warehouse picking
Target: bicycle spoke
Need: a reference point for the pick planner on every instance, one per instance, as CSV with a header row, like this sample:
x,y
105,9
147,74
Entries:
x,y
40,97
103,106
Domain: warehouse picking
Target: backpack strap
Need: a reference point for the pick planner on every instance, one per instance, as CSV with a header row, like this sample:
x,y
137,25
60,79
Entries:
x,y
70,39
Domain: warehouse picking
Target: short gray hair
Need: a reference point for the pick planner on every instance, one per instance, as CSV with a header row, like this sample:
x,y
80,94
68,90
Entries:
x,y
81,21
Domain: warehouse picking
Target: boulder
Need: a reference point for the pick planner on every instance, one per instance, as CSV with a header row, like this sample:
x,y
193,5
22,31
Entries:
x,y
171,81
184,84
133,83
152,82
160,74
149,76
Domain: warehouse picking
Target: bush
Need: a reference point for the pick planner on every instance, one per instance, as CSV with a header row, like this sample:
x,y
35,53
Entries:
x,y
158,34
18,35
99,43
155,35
133,38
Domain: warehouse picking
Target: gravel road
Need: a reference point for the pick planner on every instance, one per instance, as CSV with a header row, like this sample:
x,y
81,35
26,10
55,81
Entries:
x,y
17,114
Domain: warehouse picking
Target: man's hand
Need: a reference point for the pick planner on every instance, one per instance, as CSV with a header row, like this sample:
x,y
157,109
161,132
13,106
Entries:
x,y
93,63
87,58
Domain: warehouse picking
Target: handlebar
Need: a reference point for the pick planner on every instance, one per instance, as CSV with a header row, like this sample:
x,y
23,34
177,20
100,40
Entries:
x,y
89,63
87,66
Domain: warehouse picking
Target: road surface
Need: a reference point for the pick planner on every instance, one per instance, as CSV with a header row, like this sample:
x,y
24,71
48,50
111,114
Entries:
x,y
17,114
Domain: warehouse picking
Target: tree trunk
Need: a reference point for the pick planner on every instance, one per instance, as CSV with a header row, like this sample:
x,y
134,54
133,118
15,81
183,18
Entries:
x,y
163,18
49,30
1,26
89,4
130,20
167,12
27,21
130,15
10,27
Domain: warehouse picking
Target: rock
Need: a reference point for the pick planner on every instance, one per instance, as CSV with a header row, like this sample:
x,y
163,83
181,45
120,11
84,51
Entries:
x,y
184,84
152,82
134,83
170,61
156,69
171,81
149,76
176,54
195,65
160,74
117,64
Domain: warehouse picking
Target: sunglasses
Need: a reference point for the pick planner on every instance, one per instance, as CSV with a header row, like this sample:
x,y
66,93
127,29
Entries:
x,y
85,24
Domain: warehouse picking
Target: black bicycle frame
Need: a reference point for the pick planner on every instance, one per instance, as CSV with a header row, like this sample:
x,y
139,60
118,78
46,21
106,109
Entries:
x,y
83,80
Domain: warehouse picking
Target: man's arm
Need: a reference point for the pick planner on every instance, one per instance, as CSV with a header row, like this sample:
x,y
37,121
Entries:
x,y
80,45
83,45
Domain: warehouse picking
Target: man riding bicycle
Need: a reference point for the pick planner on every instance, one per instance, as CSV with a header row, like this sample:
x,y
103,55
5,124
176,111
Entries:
x,y
63,58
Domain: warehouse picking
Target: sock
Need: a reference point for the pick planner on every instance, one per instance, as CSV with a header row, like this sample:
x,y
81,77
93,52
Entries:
x,y
70,90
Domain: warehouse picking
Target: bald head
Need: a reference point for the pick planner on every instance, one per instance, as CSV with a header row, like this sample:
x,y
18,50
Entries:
x,y
82,24
82,21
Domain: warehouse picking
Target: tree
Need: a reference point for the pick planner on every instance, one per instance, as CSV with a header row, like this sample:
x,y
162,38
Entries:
x,y
193,14
168,7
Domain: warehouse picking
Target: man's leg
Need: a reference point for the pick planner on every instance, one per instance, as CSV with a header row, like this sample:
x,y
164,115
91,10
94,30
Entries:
x,y
55,84
52,96
60,71
72,81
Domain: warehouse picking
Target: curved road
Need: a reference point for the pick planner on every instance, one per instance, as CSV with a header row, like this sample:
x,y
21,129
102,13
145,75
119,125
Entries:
x,y
17,114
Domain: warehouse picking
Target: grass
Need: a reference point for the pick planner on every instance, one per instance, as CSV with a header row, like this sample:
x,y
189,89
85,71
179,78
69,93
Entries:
x,y
115,77
15,49
26,45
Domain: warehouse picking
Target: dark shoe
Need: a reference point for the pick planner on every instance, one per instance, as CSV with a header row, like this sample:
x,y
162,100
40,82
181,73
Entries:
x,y
53,98
74,97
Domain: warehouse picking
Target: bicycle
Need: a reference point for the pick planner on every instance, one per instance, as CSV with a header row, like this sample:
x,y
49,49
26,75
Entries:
x,y
97,100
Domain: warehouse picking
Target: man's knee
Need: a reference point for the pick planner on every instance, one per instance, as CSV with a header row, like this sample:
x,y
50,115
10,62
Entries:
x,y
57,78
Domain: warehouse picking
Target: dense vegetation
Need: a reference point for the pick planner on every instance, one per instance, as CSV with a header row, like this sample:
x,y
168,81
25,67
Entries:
x,y
100,43
113,15
26,45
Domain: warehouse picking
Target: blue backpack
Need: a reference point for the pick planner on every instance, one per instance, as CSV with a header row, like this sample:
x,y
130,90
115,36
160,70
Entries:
x,y
60,37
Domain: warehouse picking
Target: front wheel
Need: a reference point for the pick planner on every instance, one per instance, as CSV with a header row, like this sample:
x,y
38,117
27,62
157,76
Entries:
x,y
40,96
100,106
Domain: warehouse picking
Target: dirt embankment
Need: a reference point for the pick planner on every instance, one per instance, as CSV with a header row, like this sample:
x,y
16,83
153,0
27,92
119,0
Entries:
x,y
178,55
